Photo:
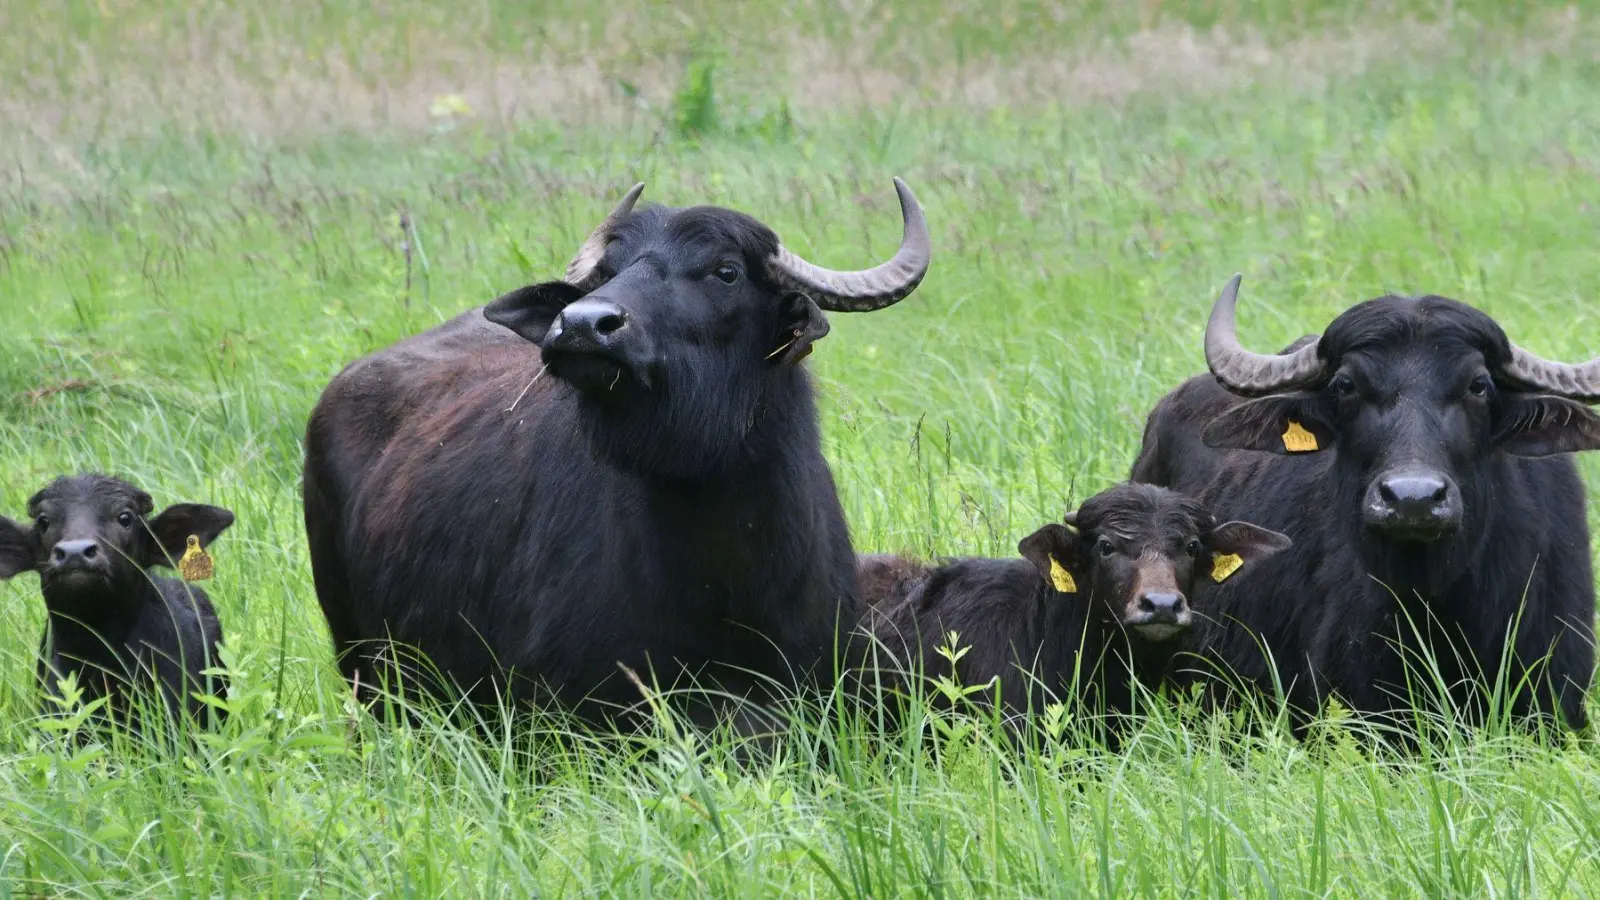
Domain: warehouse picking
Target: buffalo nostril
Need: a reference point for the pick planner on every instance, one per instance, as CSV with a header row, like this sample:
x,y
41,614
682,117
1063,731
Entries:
x,y
66,551
585,325
1416,505
1413,490
1154,603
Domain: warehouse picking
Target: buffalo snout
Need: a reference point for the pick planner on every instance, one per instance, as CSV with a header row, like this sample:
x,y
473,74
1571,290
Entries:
x,y
1413,505
72,562
588,326
596,345
1159,615
72,553
1163,607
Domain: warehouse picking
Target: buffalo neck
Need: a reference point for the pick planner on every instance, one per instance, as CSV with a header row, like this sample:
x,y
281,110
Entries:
x,y
91,624
1150,661
698,434
781,433
756,511
755,495
1094,650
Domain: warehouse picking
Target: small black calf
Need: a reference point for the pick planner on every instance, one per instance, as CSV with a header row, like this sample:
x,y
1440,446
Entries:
x,y
112,623
1094,605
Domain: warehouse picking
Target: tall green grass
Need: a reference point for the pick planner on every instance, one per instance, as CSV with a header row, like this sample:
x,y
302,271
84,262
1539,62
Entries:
x,y
173,299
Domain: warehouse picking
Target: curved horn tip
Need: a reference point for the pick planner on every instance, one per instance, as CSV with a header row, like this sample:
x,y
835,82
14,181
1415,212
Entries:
x,y
904,190
1230,291
631,197
909,206
1243,372
871,289
1220,320
580,270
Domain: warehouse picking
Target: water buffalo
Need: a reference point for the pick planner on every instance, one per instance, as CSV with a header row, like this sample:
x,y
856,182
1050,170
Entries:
x,y
115,626
1418,460
1092,607
621,467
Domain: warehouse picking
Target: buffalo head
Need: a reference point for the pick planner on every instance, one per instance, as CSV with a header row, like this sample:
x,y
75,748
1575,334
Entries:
x,y
92,537
1414,396
681,328
1136,551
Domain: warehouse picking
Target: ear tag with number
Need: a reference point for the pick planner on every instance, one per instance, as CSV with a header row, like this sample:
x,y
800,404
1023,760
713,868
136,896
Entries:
x,y
196,564
1296,439
1224,565
1061,578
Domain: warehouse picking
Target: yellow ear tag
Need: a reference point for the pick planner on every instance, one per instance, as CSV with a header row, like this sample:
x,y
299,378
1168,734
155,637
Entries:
x,y
1061,578
196,564
1224,565
1298,440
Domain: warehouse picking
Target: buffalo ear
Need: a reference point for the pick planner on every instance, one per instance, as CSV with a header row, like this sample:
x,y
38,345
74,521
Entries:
x,y
1054,543
1283,423
528,311
1251,543
172,528
800,324
1546,426
18,550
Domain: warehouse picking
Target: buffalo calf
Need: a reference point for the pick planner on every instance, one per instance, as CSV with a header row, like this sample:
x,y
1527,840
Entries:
x,y
1094,605
111,622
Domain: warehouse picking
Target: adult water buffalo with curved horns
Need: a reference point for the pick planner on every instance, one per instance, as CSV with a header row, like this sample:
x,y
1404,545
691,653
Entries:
x,y
1417,459
623,466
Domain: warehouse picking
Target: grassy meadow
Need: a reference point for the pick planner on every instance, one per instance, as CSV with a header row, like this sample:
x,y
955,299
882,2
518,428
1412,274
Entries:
x,y
207,210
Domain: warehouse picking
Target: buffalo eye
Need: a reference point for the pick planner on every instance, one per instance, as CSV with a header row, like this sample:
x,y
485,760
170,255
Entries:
x,y
43,523
1344,386
726,272
1193,549
1480,384
126,519
1105,547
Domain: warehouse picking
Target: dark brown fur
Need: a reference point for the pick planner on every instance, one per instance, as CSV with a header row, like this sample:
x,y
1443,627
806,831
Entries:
x,y
1092,648
1350,608
530,516
119,629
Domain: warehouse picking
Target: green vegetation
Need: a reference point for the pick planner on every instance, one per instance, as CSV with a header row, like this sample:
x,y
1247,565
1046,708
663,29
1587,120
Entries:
x,y
201,217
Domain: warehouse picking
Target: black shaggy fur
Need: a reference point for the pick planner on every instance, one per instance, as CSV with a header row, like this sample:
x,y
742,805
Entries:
x,y
1414,382
529,508
1091,647
116,626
